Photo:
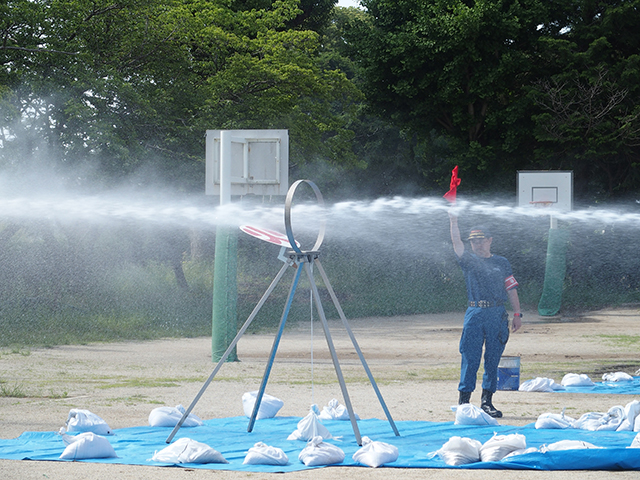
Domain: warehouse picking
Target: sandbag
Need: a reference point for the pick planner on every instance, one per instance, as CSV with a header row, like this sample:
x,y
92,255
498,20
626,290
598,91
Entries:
x,y
540,384
576,380
262,454
554,420
269,406
597,421
566,445
468,414
170,416
85,421
521,452
617,377
499,446
310,427
318,453
186,450
631,411
589,421
460,451
613,419
375,454
86,445
335,411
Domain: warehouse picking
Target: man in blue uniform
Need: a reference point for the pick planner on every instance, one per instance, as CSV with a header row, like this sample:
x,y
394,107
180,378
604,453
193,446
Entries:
x,y
490,283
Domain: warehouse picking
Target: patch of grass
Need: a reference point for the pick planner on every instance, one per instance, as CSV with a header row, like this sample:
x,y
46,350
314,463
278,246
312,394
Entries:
x,y
621,341
439,373
57,396
132,400
141,383
12,391
315,381
16,350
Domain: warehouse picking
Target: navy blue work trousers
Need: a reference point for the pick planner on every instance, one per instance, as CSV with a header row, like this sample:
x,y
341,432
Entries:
x,y
488,327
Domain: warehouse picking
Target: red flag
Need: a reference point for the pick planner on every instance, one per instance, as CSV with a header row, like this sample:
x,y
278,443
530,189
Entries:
x,y
453,186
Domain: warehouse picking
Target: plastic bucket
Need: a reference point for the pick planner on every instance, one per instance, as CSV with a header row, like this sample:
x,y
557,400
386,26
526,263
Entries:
x,y
509,373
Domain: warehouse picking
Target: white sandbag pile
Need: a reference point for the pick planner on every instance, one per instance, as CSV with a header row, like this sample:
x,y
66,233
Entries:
x,y
459,451
269,405
631,422
554,420
86,445
462,451
576,380
263,454
598,421
566,445
499,446
334,411
617,418
310,427
186,450
317,453
617,377
468,414
375,454
540,384
170,416
85,421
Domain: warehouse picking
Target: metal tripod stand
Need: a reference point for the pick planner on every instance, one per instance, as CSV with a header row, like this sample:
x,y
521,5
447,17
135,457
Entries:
x,y
300,260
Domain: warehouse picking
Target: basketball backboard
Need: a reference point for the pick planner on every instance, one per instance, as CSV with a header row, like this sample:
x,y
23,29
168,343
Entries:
x,y
250,161
549,189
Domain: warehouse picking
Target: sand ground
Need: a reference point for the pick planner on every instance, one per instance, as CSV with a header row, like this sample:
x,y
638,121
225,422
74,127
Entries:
x,y
414,359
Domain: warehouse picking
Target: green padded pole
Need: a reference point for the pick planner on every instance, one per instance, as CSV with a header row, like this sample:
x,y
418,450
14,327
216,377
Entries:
x,y
554,274
225,294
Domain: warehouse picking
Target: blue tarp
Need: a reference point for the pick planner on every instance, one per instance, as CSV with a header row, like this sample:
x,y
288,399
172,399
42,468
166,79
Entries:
x,y
136,445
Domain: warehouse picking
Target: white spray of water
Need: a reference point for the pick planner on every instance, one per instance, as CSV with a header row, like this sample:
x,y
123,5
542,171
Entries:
x,y
349,216
410,226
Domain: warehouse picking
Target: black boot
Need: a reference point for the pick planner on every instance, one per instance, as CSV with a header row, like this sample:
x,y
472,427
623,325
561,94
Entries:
x,y
465,397
487,406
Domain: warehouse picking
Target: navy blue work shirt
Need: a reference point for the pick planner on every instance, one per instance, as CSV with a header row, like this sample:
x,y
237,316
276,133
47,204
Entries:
x,y
487,279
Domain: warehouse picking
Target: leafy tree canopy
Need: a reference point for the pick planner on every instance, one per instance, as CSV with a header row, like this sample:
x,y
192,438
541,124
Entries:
x,y
469,80
118,82
588,114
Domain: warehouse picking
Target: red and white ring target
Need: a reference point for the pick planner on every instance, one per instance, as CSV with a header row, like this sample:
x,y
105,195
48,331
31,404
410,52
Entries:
x,y
267,235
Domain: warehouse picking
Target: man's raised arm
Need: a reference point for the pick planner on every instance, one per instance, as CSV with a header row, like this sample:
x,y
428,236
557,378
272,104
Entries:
x,y
458,245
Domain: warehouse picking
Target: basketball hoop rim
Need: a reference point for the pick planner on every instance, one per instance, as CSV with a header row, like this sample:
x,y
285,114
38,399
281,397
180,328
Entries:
x,y
541,203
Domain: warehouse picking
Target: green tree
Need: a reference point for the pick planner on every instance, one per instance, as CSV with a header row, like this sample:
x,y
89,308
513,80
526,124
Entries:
x,y
452,73
120,83
501,85
589,117
385,157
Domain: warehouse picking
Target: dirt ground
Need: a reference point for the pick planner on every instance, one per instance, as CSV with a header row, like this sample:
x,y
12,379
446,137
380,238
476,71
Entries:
x,y
414,359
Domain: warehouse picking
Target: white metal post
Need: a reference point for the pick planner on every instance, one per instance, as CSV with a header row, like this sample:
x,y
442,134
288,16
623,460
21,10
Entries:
x,y
225,167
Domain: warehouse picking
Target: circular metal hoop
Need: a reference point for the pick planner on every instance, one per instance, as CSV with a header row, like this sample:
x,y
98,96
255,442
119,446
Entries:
x,y
287,216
